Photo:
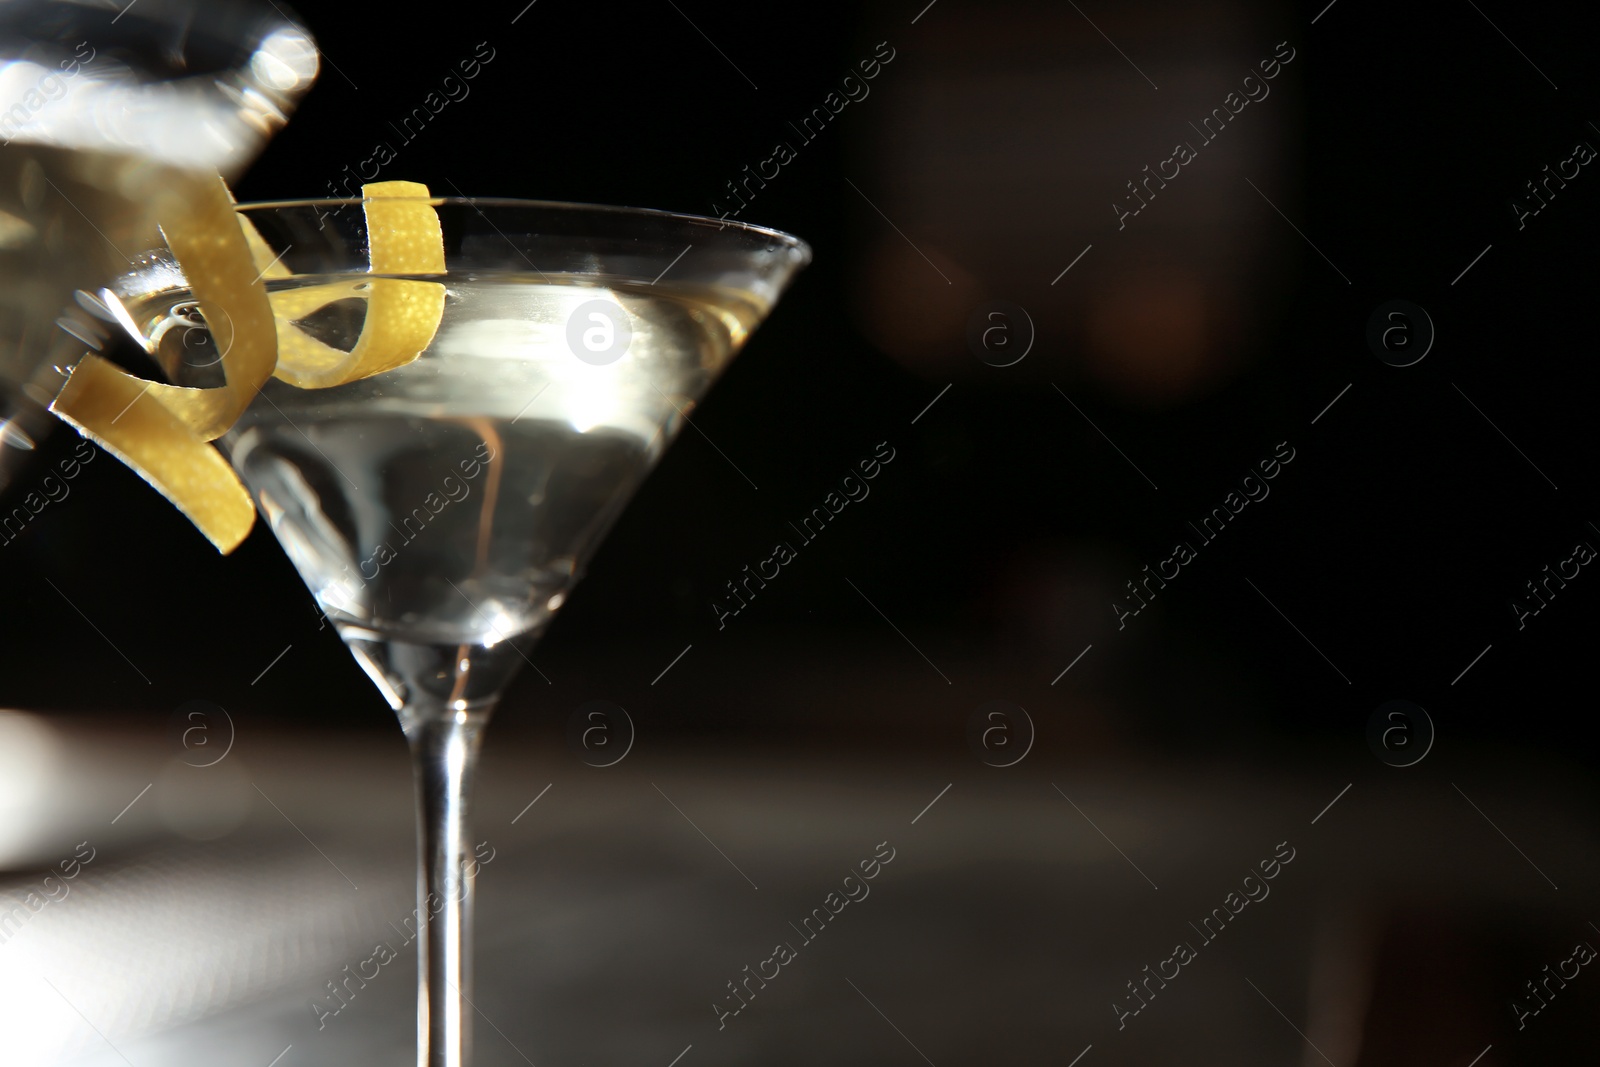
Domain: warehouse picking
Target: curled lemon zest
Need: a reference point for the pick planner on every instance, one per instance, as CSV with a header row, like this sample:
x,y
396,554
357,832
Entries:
x,y
161,430
403,237
115,410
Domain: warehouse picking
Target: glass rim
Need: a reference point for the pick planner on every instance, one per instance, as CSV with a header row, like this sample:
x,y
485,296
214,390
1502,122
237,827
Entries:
x,y
574,207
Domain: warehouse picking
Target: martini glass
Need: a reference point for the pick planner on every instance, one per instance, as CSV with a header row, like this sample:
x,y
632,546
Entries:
x,y
109,113
442,511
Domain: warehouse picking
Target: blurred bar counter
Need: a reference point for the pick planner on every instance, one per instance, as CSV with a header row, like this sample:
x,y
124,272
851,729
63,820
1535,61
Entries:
x,y
628,913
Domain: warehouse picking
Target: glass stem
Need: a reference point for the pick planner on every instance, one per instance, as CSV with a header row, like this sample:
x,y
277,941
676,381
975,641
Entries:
x,y
444,749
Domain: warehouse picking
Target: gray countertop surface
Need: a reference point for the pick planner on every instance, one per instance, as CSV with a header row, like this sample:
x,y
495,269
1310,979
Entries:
x,y
1018,905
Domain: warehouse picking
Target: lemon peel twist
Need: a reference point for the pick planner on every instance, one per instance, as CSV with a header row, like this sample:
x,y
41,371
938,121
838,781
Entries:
x,y
161,431
404,237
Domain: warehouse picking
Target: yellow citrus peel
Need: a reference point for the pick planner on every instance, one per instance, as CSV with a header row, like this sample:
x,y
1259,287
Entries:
x,y
403,237
161,430
114,409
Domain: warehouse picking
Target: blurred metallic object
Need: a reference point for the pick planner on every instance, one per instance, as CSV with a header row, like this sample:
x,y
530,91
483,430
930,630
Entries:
x,y
99,104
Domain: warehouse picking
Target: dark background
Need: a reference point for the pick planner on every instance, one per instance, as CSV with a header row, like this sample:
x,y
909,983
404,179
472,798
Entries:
x,y
1196,339
998,539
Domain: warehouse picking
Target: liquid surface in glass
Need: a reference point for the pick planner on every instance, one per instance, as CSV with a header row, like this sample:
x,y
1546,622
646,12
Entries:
x,y
454,499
